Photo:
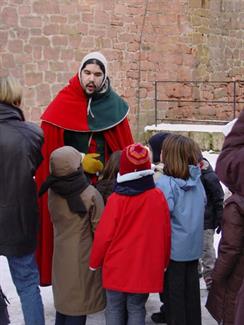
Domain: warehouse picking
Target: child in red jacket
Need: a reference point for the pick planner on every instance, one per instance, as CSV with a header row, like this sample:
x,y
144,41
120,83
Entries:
x,y
132,241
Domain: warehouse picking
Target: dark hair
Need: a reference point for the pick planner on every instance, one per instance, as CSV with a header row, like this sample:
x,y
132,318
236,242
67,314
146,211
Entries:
x,y
94,61
111,168
178,152
156,142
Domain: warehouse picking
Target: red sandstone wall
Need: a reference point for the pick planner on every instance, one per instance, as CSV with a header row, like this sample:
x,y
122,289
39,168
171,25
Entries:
x,y
42,43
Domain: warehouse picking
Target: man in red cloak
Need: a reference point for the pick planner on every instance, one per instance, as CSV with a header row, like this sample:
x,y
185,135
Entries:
x,y
89,116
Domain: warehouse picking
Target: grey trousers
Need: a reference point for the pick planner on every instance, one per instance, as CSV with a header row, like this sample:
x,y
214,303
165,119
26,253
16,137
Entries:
x,y
209,255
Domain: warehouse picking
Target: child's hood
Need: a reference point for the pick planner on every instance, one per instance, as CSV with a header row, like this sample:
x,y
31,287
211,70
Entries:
x,y
192,181
64,161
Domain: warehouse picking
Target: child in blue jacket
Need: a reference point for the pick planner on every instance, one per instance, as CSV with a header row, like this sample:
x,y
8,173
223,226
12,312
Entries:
x,y
184,192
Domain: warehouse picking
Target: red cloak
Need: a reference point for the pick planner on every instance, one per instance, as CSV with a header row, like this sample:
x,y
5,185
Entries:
x,y
67,108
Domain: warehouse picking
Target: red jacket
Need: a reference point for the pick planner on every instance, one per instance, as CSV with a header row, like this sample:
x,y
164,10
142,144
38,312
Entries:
x,y
132,242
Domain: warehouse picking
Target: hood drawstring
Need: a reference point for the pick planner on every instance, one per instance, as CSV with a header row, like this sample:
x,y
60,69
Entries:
x,y
89,111
102,90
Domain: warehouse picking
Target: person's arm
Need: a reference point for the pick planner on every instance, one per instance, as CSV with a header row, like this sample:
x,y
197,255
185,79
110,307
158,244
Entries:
x,y
165,186
96,210
34,141
216,195
103,235
230,246
167,239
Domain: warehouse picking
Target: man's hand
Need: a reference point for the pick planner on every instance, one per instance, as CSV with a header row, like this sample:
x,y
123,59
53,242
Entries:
x,y
91,164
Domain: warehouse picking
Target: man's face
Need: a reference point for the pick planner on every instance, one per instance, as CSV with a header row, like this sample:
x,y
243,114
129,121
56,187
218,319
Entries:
x,y
91,78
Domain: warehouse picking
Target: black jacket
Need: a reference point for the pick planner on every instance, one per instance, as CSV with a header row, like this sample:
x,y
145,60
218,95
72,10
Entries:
x,y
215,196
20,155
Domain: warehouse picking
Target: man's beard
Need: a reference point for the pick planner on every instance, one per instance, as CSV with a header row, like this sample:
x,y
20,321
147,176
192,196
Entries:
x,y
87,88
97,90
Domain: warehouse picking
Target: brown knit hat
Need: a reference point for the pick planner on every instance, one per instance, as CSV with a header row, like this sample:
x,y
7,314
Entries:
x,y
135,157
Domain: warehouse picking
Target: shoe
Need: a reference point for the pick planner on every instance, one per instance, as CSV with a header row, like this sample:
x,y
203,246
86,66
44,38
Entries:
x,y
158,318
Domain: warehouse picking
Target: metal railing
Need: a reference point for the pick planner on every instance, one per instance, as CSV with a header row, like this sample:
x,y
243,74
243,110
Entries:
x,y
192,94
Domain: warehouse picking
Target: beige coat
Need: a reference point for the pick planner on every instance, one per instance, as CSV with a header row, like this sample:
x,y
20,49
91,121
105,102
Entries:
x,y
76,289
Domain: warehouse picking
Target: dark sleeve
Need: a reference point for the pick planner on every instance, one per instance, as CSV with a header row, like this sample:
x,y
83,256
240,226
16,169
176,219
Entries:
x,y
230,246
216,195
96,210
35,141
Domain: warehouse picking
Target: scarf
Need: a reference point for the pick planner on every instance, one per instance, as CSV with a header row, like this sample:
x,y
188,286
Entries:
x,y
69,187
136,186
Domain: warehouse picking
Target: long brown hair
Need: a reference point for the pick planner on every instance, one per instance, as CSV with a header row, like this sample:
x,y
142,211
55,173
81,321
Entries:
x,y
178,152
112,166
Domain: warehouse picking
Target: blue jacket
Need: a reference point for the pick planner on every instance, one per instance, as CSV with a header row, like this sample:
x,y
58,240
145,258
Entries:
x,y
186,200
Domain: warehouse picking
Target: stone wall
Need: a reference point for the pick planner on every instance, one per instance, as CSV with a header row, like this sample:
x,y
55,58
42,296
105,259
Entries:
x,y
42,43
217,41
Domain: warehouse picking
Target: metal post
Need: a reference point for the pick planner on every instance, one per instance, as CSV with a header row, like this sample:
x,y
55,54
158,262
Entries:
x,y
234,99
156,103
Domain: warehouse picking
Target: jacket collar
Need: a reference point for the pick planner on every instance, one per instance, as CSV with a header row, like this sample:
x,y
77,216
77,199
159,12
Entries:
x,y
10,112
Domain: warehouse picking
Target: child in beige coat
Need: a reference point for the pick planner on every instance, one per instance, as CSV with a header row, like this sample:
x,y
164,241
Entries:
x,y
75,207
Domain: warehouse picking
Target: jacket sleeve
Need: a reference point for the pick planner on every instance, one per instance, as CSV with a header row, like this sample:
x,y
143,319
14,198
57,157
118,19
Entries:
x,y
103,235
96,210
216,195
230,246
166,187
167,241
34,140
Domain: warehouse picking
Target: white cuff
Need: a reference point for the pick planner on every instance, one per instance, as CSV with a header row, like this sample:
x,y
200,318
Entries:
x,y
134,175
82,155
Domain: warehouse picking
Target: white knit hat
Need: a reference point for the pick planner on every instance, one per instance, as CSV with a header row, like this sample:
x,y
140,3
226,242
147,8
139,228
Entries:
x,y
97,56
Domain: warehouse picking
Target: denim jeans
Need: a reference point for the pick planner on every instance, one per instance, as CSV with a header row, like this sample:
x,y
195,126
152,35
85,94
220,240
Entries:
x,y
25,277
125,308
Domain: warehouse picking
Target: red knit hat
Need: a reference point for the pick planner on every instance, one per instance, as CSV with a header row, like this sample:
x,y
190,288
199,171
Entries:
x,y
135,157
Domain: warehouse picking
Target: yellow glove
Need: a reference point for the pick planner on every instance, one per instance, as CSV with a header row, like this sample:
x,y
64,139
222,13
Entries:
x,y
91,164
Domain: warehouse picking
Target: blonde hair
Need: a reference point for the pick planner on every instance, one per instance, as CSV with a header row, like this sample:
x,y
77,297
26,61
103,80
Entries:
x,y
178,152
10,91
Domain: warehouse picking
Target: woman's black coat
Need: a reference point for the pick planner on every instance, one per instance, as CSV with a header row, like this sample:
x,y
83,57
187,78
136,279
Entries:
x,y
20,155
